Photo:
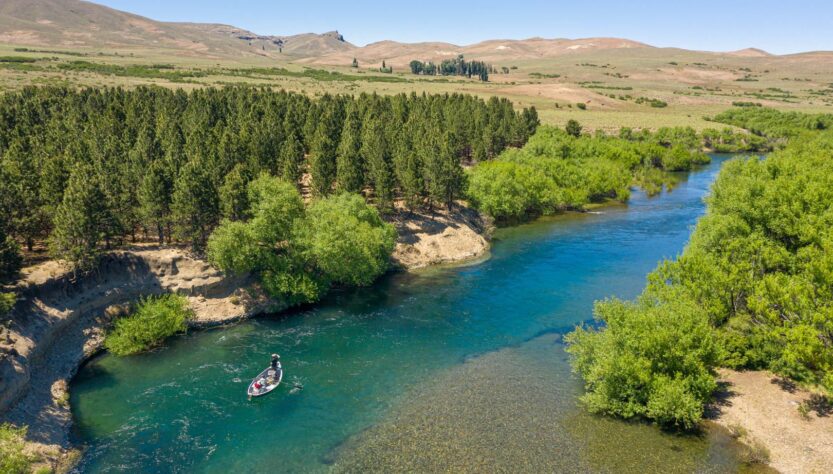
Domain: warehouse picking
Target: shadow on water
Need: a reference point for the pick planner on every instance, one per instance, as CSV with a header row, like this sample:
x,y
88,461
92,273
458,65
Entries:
x,y
454,367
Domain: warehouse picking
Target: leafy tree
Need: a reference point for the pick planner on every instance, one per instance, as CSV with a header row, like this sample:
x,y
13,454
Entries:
x,y
155,319
346,239
13,457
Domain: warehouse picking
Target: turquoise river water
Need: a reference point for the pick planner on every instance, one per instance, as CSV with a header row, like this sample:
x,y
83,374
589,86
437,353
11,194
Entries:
x,y
452,369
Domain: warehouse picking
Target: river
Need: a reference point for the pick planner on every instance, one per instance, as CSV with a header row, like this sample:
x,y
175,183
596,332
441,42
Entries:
x,y
444,369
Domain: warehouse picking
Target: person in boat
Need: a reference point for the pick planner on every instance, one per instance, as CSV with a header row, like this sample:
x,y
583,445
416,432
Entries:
x,y
260,384
273,369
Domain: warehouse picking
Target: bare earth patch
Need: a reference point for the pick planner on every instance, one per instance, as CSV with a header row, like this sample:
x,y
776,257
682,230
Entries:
x,y
440,237
766,408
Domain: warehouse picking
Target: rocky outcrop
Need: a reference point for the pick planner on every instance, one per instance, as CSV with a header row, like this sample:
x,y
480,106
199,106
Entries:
x,y
59,321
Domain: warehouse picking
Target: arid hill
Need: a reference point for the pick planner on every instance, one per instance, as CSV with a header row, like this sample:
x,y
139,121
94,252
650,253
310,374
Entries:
x,y
81,24
400,54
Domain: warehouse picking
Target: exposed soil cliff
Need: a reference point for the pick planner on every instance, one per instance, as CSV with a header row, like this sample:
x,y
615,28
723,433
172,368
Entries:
x,y
441,237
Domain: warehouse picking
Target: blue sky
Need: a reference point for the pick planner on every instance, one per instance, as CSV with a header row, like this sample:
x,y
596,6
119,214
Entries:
x,y
777,26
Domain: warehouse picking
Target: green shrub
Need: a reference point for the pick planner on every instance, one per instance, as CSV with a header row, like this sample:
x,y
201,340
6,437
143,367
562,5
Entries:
x,y
7,301
155,319
653,358
581,106
12,458
563,169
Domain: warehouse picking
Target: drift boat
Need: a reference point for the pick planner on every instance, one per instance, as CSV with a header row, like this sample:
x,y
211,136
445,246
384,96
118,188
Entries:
x,y
267,380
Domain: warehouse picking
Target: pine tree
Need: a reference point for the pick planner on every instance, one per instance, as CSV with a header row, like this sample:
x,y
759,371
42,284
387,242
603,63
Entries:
x,y
290,159
349,173
376,156
155,200
408,169
323,153
195,204
10,258
234,201
19,173
80,220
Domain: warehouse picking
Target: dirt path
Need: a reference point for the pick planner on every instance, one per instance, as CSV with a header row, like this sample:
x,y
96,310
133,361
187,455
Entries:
x,y
764,410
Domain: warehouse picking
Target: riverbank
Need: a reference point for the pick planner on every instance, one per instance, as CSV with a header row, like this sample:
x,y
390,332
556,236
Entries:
x,y
60,320
764,411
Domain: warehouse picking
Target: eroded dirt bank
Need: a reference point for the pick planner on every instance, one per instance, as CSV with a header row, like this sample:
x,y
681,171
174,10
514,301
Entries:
x,y
59,321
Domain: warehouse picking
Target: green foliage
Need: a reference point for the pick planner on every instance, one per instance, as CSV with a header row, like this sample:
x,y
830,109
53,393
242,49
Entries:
x,y
573,128
653,358
173,164
581,106
13,460
80,221
773,123
155,319
159,71
557,170
759,261
10,258
7,301
299,253
753,288
346,239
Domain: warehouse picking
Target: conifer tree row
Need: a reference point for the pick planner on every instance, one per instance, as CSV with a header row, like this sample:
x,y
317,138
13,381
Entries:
x,y
86,169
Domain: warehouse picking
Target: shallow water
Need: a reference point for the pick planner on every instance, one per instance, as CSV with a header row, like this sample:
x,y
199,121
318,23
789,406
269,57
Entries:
x,y
415,354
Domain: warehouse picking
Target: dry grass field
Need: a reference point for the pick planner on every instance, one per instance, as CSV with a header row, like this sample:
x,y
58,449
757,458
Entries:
x,y
620,82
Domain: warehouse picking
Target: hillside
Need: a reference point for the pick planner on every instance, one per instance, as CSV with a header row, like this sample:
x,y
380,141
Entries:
x,y
80,24
400,54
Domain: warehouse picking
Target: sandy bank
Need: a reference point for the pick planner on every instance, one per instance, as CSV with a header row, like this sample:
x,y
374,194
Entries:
x,y
441,237
764,410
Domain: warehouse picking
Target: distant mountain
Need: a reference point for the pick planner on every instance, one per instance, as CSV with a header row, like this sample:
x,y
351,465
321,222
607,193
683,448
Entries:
x,y
75,23
400,54
750,53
